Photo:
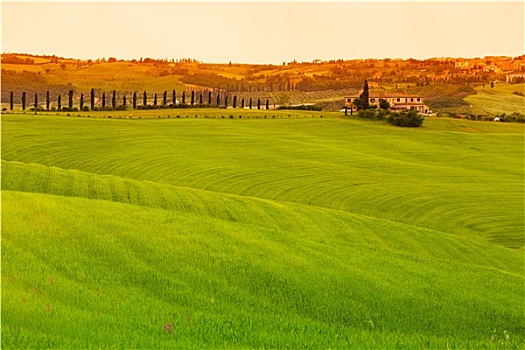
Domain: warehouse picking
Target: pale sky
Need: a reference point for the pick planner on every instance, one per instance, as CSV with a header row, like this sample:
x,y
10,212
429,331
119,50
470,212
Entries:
x,y
264,32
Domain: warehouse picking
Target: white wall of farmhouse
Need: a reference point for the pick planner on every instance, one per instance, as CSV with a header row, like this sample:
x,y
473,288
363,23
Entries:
x,y
397,102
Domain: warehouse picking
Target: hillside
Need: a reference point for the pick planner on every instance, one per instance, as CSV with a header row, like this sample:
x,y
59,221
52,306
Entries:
x,y
503,98
242,233
442,81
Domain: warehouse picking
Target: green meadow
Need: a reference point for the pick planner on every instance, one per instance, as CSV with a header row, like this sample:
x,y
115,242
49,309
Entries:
x,y
499,99
204,228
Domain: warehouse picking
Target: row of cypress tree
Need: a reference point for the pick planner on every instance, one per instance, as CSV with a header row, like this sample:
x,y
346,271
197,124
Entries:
x,y
220,100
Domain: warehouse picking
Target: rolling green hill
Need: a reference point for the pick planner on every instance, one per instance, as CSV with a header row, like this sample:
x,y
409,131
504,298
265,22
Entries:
x,y
239,233
499,99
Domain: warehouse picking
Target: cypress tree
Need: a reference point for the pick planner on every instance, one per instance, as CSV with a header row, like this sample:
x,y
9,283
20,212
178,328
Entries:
x,y
165,98
145,99
184,97
103,100
47,100
258,103
200,98
24,101
155,99
134,100
70,98
235,101
218,99
11,102
192,97
174,97
59,102
81,101
114,100
365,96
242,103
92,98
209,97
250,103
267,104
124,101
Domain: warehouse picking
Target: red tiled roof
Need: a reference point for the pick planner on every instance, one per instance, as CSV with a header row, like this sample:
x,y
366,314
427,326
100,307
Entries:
x,y
387,95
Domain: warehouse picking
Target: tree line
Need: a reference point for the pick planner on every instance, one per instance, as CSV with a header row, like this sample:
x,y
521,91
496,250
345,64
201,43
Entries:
x,y
115,101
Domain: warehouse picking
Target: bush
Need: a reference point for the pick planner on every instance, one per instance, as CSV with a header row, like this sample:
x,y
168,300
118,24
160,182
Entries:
x,y
405,119
85,109
383,104
382,114
512,118
171,105
147,107
367,114
303,107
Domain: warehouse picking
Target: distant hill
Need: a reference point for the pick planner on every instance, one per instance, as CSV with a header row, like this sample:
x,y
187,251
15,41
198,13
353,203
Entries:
x,y
441,80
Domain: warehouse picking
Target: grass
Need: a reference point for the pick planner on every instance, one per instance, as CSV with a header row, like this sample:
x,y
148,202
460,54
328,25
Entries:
x,y
188,113
287,233
440,173
498,100
120,76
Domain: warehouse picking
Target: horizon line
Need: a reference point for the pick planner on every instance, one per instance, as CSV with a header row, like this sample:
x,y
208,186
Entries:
x,y
265,63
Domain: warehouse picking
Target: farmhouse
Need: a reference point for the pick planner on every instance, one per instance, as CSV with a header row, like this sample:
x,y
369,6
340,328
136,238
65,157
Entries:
x,y
515,77
397,101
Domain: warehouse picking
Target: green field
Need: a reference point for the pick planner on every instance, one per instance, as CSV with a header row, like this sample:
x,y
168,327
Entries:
x,y
499,99
275,230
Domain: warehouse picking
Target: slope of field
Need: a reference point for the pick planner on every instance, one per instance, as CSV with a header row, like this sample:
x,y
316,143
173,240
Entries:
x,y
423,177
499,99
282,233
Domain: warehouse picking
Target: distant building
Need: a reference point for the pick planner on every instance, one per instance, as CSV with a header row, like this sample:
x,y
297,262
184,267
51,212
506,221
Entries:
x,y
398,101
516,76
